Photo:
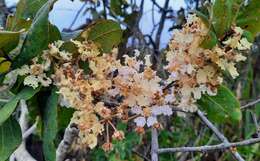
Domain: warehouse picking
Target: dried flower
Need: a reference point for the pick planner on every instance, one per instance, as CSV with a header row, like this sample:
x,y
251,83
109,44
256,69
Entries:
x,y
118,135
107,147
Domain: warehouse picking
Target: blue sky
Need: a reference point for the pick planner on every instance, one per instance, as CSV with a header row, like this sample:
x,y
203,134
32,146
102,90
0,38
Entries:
x,y
65,10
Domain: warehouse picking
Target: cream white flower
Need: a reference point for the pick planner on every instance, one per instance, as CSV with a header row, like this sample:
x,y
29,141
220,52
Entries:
x,y
137,110
31,81
23,70
151,121
244,44
140,121
161,110
148,60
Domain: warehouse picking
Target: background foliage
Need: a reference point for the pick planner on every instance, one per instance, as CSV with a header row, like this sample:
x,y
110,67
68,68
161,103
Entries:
x,y
28,32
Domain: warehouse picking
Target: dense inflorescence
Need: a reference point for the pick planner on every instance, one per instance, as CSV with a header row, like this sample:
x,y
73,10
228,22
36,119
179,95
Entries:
x,y
196,70
108,90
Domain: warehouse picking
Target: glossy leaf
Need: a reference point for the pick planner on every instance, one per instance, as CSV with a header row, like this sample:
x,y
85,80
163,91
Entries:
x,y
50,126
4,65
9,107
222,107
116,6
64,116
249,17
54,33
26,10
105,33
16,25
11,138
8,40
38,37
224,13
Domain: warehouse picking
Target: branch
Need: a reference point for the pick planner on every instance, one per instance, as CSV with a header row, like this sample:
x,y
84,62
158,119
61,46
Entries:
x,y
256,123
161,25
155,145
70,134
219,135
29,131
206,148
21,152
250,104
157,5
141,155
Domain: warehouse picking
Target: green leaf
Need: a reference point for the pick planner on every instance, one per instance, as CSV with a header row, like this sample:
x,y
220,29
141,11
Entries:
x,y
50,126
247,82
210,40
203,17
11,138
105,33
85,66
54,33
131,19
249,17
249,36
26,10
4,65
222,107
224,13
115,6
64,116
16,25
8,108
38,37
8,40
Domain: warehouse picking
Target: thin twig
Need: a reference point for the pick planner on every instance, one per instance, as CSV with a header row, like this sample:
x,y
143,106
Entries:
x,y
141,155
256,123
219,135
250,104
156,4
77,15
206,148
29,131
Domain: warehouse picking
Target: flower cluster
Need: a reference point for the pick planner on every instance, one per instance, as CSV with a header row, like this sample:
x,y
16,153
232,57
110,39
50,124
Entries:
x,y
107,90
110,90
195,70
36,74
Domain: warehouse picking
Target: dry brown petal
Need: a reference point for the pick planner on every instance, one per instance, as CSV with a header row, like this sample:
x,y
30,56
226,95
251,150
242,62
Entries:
x,y
147,111
157,125
107,147
174,66
148,73
36,69
118,135
139,130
